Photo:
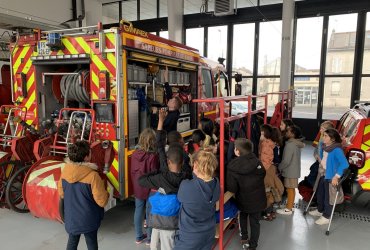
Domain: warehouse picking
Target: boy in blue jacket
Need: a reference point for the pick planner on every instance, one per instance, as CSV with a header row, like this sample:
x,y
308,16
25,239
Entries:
x,y
84,196
198,198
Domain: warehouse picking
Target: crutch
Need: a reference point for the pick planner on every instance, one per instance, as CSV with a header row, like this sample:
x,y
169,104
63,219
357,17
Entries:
x,y
319,174
346,174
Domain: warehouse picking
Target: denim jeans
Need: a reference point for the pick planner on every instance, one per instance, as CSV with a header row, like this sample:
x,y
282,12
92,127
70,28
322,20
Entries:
x,y
323,205
91,239
138,217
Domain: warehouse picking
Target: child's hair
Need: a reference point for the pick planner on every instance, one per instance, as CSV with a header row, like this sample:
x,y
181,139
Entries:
x,y
244,146
276,136
327,124
78,151
296,131
196,138
334,135
175,154
226,131
178,102
173,137
207,126
147,140
206,163
267,131
288,123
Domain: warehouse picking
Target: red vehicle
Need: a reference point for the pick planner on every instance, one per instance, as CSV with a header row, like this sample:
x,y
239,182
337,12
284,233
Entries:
x,y
354,127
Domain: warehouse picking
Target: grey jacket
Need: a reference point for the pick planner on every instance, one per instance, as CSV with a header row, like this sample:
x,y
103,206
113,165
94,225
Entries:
x,y
290,165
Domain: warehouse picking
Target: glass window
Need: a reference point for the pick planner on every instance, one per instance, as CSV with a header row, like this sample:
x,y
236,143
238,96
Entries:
x,y
245,85
192,7
306,96
148,9
365,89
267,85
269,48
341,44
217,42
366,62
246,3
268,2
309,35
110,13
243,49
163,34
207,83
195,39
337,97
129,10
163,8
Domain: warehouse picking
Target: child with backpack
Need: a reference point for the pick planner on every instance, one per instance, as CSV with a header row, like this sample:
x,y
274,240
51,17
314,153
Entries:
x,y
246,180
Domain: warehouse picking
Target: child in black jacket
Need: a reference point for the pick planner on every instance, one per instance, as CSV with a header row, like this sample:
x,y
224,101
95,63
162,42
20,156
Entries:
x,y
245,179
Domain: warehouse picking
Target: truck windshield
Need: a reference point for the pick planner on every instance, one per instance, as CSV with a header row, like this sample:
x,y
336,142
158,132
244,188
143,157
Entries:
x,y
348,128
207,83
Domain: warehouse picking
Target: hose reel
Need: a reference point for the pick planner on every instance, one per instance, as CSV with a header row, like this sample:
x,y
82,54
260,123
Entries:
x,y
73,87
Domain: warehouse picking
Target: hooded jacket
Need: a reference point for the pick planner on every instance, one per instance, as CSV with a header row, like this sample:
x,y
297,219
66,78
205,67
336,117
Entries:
x,y
198,199
245,178
290,165
84,195
266,151
168,184
336,162
142,163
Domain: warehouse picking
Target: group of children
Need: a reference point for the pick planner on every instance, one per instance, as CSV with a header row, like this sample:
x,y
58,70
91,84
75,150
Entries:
x,y
178,190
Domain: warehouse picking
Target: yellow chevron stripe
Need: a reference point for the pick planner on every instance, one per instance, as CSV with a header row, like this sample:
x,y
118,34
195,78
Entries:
x,y
69,46
113,180
112,59
115,145
60,52
95,81
30,101
42,170
30,81
110,37
367,129
22,55
83,45
115,164
96,60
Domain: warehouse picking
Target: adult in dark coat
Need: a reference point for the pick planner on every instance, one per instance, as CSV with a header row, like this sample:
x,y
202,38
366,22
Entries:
x,y
245,179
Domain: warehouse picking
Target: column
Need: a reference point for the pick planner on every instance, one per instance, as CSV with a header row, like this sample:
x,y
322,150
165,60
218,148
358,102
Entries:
x,y
286,45
175,19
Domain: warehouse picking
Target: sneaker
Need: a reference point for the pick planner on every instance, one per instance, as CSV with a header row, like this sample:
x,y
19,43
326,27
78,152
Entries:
x,y
147,242
322,221
315,213
245,244
141,239
284,211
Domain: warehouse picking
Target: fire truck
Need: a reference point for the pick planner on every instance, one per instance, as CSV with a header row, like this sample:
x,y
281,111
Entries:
x,y
97,84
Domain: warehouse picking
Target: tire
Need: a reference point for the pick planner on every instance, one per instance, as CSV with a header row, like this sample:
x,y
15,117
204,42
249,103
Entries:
x,y
5,177
14,196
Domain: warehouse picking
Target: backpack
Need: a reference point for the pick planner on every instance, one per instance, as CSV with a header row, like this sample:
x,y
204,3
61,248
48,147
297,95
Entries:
x,y
164,204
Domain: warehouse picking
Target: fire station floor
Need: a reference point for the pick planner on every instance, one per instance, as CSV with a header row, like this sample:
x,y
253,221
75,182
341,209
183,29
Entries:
x,y
350,229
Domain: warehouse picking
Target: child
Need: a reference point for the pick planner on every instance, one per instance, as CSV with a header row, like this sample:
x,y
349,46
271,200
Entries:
x,y
144,160
246,180
173,138
290,166
273,186
318,151
197,141
84,196
165,223
198,199
334,162
207,126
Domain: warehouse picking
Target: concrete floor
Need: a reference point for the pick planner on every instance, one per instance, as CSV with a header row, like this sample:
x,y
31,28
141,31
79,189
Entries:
x,y
24,232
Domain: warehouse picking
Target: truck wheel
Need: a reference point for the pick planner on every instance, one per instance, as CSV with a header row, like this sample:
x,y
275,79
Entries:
x,y
14,196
